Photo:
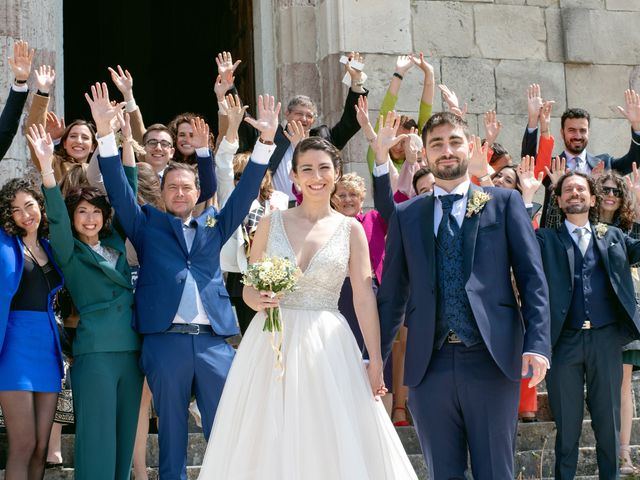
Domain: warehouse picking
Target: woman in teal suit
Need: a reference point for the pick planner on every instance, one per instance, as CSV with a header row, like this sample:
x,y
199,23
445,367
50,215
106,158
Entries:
x,y
106,380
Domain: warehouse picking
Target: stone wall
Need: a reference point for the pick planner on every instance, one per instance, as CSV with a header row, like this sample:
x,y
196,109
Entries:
x,y
38,22
583,53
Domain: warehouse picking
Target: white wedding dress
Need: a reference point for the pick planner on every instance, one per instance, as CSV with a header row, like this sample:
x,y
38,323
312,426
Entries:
x,y
319,420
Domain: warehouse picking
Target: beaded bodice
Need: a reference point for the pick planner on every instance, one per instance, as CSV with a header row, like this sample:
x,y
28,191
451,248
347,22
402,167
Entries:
x,y
319,286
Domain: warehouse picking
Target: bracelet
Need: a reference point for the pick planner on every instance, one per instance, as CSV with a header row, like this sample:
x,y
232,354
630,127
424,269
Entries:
x,y
20,82
265,142
484,178
371,140
397,75
42,94
48,172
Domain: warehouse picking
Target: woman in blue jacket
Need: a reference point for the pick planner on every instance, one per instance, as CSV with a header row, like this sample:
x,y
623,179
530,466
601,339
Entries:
x,y
30,356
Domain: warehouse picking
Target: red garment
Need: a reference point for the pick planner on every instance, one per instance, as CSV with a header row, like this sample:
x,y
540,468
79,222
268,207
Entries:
x,y
545,150
528,397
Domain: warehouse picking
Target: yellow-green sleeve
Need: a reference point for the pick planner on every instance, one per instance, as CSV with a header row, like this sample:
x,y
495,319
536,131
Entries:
x,y
388,103
424,115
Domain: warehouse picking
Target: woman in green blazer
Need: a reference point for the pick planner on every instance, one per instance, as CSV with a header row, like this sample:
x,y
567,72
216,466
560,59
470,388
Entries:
x,y
105,377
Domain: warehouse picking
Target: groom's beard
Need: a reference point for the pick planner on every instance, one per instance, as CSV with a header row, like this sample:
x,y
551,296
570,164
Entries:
x,y
450,171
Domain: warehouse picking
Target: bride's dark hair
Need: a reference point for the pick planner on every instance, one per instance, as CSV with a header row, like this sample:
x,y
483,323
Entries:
x,y
318,143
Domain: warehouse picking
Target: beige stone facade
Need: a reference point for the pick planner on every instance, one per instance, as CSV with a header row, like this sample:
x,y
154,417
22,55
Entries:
x,y
582,52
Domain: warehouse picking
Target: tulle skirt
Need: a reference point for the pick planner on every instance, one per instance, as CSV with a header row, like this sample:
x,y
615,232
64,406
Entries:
x,y
317,420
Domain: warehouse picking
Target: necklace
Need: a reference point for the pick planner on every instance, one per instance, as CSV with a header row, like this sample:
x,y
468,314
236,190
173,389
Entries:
x,y
40,267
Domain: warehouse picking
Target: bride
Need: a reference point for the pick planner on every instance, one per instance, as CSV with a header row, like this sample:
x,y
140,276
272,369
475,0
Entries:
x,y
321,417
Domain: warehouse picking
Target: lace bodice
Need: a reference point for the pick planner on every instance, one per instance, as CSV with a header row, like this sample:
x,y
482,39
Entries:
x,y
320,284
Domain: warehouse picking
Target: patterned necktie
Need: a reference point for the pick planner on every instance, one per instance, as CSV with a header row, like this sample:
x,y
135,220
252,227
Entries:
x,y
188,309
583,240
579,164
448,228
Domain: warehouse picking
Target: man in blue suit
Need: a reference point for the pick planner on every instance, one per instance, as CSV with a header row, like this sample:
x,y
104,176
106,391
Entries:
x,y
449,262
593,313
182,305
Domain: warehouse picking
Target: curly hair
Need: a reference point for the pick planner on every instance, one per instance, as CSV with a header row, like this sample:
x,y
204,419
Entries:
x,y
624,216
593,190
173,126
96,198
8,194
353,182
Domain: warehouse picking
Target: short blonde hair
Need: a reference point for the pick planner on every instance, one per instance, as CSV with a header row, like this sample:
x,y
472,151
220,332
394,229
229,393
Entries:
x,y
353,181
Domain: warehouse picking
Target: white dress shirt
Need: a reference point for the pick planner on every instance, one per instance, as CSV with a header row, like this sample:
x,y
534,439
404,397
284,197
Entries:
x,y
459,206
281,179
571,227
572,162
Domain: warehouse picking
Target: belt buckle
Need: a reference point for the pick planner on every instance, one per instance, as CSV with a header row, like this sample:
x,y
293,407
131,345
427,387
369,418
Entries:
x,y
452,337
197,329
586,325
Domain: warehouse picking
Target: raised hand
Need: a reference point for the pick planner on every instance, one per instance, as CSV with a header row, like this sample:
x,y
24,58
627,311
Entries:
x,y
413,146
55,126
631,110
42,145
529,184
451,100
267,122
422,64
354,73
124,120
558,169
598,170
492,127
534,104
295,133
633,182
403,64
226,69
362,111
45,76
478,164
123,81
20,63
387,136
235,112
102,110
545,118
200,137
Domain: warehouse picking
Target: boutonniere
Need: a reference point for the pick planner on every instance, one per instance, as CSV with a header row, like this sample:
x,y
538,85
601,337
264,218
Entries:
x,y
476,202
601,230
210,222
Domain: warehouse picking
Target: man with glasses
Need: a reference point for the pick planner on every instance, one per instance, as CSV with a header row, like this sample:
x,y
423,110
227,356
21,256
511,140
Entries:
x,y
158,147
302,109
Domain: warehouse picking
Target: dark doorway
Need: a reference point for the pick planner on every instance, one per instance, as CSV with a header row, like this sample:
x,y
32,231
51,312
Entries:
x,y
169,46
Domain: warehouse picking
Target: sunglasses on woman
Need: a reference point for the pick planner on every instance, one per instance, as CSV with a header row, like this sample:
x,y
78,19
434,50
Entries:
x,y
616,192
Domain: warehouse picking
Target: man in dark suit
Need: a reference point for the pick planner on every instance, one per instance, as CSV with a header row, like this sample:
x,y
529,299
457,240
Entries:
x,y
574,129
593,313
182,305
449,260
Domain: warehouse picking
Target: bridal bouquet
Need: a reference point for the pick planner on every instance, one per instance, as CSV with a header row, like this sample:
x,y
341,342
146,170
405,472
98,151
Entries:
x,y
272,274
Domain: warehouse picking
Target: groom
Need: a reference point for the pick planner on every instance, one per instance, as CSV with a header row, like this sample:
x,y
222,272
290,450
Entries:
x,y
449,263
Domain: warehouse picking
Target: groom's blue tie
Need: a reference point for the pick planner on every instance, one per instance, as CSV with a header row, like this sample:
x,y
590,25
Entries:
x,y
187,309
453,312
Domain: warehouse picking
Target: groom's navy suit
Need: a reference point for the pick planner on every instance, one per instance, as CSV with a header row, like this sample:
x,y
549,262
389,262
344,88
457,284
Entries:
x,y
178,365
595,287
466,395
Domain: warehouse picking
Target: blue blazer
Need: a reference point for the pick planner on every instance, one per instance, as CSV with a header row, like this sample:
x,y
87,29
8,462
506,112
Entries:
x,y
496,241
10,119
164,258
617,250
11,266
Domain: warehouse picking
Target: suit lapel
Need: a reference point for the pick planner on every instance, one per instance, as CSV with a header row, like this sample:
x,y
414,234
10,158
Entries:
x,y
429,235
601,245
591,160
112,273
176,225
469,233
565,239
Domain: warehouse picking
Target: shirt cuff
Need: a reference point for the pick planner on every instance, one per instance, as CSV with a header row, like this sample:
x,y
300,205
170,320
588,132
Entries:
x,y
262,153
107,146
203,152
531,130
546,360
380,170
19,88
228,147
